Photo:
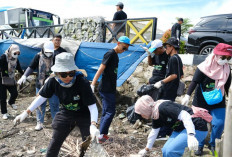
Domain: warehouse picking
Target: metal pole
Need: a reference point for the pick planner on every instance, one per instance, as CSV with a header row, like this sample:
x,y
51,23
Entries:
x,y
227,145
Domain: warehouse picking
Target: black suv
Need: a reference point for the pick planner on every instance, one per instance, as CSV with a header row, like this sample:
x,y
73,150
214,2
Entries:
x,y
210,31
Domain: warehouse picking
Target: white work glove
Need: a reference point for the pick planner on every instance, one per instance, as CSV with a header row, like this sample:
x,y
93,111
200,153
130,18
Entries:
x,y
146,49
142,152
92,87
20,118
158,84
22,80
185,100
192,142
94,132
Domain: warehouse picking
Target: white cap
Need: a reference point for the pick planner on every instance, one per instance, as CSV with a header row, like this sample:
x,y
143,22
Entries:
x,y
48,47
155,44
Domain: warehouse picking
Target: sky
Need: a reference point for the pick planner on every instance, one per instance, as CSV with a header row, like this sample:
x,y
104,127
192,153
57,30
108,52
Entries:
x,y
166,10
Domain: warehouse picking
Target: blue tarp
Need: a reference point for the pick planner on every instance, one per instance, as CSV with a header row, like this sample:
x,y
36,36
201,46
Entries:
x,y
89,57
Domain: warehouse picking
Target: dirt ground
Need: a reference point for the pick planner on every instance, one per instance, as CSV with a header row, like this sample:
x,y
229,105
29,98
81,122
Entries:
x,y
24,141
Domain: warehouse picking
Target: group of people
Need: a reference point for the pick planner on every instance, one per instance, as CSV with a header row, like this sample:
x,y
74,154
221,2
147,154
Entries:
x,y
189,125
72,101
70,95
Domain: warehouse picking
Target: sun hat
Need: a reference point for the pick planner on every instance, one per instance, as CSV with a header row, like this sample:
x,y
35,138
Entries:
x,y
64,62
155,44
223,49
48,46
173,42
124,39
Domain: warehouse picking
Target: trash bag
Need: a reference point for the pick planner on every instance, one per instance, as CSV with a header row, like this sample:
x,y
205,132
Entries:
x,y
145,89
149,89
131,115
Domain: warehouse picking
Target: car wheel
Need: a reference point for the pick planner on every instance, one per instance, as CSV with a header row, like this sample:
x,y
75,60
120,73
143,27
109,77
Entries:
x,y
206,50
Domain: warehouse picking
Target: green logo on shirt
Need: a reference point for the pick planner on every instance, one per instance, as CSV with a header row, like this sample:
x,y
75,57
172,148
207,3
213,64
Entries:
x,y
116,70
158,67
72,107
211,85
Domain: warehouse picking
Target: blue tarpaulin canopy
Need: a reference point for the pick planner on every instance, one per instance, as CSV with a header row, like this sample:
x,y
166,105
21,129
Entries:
x,y
89,57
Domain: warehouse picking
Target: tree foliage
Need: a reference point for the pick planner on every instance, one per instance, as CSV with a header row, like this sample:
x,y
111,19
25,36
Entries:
x,y
185,25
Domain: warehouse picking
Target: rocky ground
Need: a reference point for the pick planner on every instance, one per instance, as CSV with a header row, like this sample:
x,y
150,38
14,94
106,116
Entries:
x,y
22,140
126,138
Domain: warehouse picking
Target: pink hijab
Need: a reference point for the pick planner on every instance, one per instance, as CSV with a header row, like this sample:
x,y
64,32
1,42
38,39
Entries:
x,y
148,107
213,70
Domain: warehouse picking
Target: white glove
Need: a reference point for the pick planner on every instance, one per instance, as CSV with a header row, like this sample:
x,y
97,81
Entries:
x,y
158,84
94,132
185,100
142,152
92,87
20,118
192,142
146,49
22,80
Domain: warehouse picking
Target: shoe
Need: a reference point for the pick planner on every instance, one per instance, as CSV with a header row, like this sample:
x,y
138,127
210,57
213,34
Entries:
x,y
5,116
14,106
39,126
212,149
103,139
199,152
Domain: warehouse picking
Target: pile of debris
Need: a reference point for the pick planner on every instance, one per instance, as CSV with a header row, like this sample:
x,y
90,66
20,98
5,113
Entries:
x,y
142,75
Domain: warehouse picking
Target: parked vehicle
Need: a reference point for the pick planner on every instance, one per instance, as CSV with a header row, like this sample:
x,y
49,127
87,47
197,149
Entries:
x,y
18,18
207,33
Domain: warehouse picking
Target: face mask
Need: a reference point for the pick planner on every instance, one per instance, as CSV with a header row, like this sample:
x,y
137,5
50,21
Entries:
x,y
14,55
48,54
222,62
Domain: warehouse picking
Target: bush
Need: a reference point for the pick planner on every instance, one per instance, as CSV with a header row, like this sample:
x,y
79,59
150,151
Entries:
x,y
182,47
166,36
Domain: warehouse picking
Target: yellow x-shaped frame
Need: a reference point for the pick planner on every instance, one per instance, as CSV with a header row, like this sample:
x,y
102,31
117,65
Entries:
x,y
139,34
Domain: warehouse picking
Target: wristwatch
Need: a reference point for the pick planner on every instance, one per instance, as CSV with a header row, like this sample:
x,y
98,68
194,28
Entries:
x,y
191,134
162,82
94,123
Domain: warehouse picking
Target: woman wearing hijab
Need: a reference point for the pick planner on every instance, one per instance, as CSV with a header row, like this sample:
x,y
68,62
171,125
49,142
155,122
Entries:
x,y
189,125
78,106
8,64
42,61
213,73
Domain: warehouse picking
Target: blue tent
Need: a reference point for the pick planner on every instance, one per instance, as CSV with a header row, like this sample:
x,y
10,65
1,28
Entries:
x,y
89,57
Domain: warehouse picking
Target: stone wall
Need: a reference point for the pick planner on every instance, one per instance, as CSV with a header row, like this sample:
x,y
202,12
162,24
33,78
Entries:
x,y
89,29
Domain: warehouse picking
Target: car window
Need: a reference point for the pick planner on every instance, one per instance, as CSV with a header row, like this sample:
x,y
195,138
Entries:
x,y
215,23
203,21
229,24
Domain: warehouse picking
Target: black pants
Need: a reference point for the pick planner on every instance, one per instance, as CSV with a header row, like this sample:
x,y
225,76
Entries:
x,y
62,125
3,96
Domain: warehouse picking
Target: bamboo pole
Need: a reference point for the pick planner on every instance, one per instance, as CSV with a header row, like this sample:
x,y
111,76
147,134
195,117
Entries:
x,y
227,145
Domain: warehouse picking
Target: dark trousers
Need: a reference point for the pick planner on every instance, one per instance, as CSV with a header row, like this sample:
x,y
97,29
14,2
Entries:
x,y
3,96
62,125
108,111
